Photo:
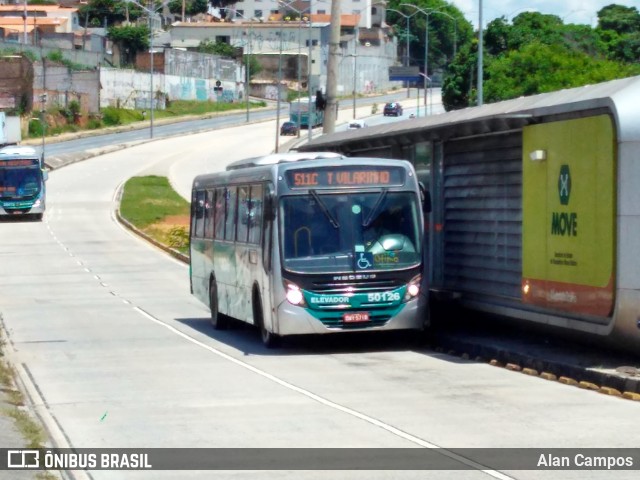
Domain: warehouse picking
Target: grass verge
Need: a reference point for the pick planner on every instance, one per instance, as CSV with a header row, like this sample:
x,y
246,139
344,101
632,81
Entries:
x,y
153,207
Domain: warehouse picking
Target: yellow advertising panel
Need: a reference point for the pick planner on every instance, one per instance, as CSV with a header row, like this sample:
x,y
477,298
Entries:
x,y
568,225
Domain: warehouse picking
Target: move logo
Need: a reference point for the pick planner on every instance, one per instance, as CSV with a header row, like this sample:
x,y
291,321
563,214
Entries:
x,y
564,223
564,184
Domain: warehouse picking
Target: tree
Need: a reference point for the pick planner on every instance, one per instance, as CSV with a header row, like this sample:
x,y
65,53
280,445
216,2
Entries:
x,y
192,7
496,36
619,18
131,39
255,67
447,26
217,48
99,12
538,53
539,68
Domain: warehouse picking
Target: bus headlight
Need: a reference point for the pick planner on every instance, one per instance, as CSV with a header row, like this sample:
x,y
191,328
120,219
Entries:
x,y
36,203
294,295
413,288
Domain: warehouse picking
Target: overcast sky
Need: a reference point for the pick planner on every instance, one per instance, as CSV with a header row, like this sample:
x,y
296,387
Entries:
x,y
571,11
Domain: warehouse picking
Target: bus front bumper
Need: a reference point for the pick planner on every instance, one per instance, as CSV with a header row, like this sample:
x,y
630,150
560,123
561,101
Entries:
x,y
294,320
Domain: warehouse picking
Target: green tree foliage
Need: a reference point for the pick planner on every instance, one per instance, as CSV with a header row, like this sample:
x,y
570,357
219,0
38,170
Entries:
x,y
131,39
537,53
191,7
619,18
619,28
98,12
254,66
448,31
216,48
539,68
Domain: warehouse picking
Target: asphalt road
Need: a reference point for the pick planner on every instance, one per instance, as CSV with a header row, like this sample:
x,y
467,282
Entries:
x,y
115,352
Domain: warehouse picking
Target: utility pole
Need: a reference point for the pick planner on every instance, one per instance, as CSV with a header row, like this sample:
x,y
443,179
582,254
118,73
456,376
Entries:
x,y
330,111
480,54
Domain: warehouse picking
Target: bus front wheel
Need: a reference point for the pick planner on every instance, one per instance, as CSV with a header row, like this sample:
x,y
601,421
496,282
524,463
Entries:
x,y
269,339
218,320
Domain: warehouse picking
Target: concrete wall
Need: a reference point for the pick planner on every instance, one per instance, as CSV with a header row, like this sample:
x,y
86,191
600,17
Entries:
x,y
130,89
63,85
191,64
16,83
81,57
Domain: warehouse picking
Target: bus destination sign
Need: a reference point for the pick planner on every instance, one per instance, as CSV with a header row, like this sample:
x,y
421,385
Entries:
x,y
19,162
352,176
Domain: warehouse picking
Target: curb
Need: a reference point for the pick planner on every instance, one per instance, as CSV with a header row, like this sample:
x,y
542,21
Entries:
x,y
171,251
583,377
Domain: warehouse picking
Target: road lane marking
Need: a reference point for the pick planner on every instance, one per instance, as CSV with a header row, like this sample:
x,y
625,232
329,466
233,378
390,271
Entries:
x,y
328,403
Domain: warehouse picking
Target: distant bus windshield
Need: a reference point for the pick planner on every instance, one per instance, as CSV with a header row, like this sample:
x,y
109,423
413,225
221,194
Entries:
x,y
17,182
22,187
350,232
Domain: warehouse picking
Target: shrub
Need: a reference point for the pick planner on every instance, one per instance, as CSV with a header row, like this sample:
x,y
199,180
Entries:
x,y
110,117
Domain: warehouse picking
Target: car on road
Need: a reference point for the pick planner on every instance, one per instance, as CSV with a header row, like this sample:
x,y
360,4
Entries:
x,y
289,128
392,109
356,124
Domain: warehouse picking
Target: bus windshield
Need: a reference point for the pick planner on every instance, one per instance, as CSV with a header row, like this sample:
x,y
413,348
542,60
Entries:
x,y
350,232
19,182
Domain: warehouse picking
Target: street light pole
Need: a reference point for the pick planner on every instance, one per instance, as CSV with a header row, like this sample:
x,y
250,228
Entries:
x,y
406,55
309,63
278,88
300,13
480,53
426,44
355,71
151,68
247,85
43,123
246,60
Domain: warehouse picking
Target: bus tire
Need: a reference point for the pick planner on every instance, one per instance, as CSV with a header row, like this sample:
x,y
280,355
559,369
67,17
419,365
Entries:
x,y
218,320
269,339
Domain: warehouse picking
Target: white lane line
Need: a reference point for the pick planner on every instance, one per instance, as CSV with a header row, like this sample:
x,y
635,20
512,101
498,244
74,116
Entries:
x,y
329,403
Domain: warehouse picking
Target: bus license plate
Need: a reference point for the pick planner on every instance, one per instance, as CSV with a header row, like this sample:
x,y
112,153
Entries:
x,y
356,317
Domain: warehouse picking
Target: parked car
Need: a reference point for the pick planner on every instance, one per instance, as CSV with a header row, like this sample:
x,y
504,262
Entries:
x,y
289,128
392,109
356,124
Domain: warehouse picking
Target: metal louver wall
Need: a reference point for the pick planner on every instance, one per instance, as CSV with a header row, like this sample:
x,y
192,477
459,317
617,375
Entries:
x,y
482,228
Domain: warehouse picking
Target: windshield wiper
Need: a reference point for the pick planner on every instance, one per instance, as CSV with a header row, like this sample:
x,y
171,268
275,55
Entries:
x,y
375,208
324,208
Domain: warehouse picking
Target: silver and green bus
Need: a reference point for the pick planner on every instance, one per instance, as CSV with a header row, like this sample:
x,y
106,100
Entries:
x,y
310,243
22,182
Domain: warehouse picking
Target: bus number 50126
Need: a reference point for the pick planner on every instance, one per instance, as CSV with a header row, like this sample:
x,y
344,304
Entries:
x,y
383,297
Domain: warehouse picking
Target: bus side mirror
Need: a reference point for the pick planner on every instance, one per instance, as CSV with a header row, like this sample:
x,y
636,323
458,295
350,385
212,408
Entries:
x,y
425,197
45,175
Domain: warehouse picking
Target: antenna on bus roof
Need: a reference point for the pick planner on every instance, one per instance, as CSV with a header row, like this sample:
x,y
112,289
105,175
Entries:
x,y
276,158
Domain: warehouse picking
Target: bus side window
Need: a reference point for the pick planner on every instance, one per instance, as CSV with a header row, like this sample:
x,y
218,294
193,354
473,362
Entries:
x,y
208,214
194,202
220,213
243,213
200,200
229,229
255,214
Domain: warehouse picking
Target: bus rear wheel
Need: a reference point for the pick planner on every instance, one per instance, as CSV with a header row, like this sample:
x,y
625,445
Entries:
x,y
269,339
218,320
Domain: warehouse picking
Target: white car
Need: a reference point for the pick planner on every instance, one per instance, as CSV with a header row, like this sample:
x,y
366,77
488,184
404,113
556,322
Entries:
x,y
356,124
